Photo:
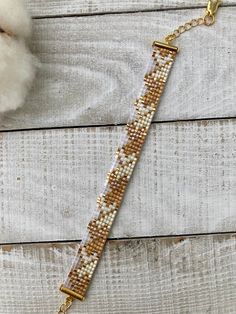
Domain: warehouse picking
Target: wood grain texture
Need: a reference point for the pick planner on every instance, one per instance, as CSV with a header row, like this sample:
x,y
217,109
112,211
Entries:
x,y
185,182
167,276
92,73
41,8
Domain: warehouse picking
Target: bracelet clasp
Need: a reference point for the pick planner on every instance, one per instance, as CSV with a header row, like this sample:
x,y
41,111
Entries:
x,y
211,11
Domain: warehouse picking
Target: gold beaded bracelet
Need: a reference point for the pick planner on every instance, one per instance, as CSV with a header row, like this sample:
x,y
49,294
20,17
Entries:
x,y
127,155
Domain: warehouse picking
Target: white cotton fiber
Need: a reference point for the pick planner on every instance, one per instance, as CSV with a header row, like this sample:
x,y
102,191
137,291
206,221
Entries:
x,y
17,64
14,18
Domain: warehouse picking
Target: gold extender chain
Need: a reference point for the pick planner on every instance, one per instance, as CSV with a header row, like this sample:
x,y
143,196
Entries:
x,y
208,19
66,306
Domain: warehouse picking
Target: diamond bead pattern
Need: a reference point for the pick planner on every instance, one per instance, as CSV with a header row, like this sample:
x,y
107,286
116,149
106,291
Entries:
x,y
127,156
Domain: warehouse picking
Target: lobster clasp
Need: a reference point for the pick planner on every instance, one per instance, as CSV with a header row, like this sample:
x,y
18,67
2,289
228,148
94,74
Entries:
x,y
212,7
211,10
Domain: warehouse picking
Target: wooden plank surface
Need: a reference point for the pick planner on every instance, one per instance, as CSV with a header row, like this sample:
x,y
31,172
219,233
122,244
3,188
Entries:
x,y
92,73
184,184
169,275
41,8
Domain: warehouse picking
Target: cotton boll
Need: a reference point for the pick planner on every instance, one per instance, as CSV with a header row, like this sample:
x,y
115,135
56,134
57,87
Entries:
x,y
17,64
17,71
14,19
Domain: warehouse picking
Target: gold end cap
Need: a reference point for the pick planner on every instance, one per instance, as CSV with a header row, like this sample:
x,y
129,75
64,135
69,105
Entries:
x,y
165,45
71,293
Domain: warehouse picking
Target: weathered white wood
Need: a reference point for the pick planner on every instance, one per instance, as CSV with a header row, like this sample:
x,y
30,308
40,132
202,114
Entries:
x,y
185,182
91,73
41,8
166,276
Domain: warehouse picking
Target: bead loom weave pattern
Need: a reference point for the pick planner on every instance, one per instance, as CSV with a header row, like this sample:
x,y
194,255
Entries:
x,y
127,155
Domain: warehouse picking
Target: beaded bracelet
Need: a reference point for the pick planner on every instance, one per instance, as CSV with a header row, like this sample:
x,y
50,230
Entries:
x,y
127,155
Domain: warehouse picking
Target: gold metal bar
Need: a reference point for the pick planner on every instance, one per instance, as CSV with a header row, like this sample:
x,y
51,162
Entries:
x,y
72,293
164,45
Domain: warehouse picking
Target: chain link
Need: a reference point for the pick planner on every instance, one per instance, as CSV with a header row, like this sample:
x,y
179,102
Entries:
x,y
66,305
184,28
208,19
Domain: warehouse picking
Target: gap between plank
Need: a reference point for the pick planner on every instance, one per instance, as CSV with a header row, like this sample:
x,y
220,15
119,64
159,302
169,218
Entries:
x,y
182,236
112,125
70,15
